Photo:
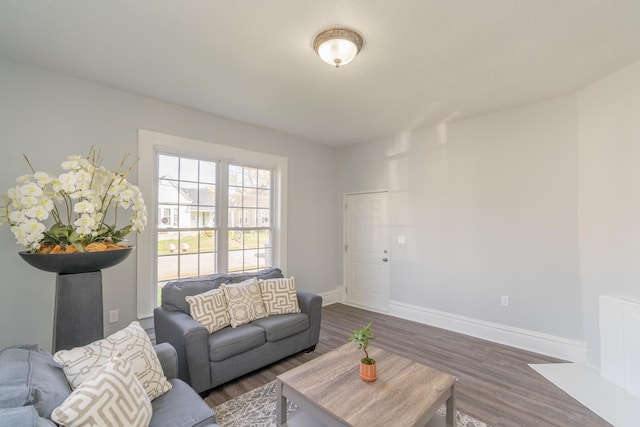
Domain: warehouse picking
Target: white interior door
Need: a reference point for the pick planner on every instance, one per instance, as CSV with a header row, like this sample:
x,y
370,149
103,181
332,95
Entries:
x,y
367,267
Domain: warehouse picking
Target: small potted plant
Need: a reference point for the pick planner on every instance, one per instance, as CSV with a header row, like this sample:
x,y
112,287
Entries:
x,y
363,337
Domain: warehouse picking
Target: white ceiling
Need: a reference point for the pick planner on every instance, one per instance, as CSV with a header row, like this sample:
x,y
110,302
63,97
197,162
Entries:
x,y
423,62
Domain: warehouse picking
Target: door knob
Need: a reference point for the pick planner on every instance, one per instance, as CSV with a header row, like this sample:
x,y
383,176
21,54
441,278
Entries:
x,y
385,259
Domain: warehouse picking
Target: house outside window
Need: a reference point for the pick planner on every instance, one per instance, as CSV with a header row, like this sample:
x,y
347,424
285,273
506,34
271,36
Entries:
x,y
215,209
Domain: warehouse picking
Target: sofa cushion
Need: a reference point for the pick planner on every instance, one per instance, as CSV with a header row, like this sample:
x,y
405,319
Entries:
x,y
29,376
112,396
210,309
180,407
23,416
228,342
267,273
175,292
282,326
244,302
133,343
279,295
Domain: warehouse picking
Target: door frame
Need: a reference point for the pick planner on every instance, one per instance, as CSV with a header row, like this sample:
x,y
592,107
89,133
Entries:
x,y
343,293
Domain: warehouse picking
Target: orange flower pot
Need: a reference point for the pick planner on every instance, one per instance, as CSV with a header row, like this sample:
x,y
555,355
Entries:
x,y
367,372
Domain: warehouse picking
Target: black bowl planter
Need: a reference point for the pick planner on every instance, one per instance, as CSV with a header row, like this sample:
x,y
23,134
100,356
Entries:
x,y
78,262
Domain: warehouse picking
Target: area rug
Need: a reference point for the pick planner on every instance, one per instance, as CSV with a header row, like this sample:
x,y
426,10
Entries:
x,y
257,408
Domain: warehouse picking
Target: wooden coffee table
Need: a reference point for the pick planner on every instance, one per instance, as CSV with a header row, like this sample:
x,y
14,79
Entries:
x,y
328,391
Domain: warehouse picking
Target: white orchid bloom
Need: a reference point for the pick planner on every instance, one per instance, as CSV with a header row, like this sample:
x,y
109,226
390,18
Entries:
x,y
28,201
67,178
84,206
32,226
24,179
85,224
42,178
38,212
16,217
31,189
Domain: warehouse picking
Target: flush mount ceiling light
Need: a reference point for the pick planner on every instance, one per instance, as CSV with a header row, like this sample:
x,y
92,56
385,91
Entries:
x,y
337,46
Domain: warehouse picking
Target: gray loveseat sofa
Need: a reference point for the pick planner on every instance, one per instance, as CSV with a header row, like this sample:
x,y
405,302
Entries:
x,y
32,385
208,360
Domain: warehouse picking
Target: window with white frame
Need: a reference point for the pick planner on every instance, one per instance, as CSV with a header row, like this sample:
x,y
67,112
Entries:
x,y
186,229
249,196
213,208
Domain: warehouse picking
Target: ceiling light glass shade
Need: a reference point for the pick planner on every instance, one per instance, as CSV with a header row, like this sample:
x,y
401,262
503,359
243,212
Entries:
x,y
337,46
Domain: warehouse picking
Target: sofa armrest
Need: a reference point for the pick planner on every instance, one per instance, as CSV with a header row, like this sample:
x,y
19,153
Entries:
x,y
311,304
191,342
168,359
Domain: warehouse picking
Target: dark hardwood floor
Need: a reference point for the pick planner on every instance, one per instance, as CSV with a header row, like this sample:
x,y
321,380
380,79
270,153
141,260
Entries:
x,y
496,385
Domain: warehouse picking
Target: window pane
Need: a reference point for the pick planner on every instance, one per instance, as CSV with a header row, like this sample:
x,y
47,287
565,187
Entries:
x,y
207,217
189,265
235,196
235,240
207,241
167,166
188,170
249,198
207,195
236,262
233,218
167,216
235,175
188,242
250,177
208,263
264,179
188,193
208,172
264,239
250,259
249,217
168,267
167,243
250,239
264,258
168,191
264,199
263,218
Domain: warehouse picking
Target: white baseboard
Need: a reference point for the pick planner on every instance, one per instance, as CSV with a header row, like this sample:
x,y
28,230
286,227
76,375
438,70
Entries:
x,y
550,345
331,297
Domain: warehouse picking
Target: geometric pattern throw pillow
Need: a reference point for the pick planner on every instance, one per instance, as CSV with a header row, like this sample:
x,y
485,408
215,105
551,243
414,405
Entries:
x,y
244,302
279,296
112,396
132,343
210,309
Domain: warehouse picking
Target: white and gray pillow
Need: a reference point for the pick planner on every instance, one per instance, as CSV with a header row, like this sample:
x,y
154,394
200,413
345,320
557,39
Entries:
x,y
279,295
210,309
244,302
111,396
132,343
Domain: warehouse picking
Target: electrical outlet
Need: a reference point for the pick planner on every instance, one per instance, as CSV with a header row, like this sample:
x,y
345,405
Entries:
x,y
113,316
504,300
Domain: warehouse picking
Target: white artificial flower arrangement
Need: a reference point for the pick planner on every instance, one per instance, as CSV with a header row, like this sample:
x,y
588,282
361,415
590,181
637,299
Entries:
x,y
76,202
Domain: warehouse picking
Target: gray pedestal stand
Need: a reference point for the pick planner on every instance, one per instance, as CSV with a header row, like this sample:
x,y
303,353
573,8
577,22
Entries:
x,y
78,310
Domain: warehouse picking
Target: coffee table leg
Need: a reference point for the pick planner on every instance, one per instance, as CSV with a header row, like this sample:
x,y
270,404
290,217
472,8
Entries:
x,y
451,408
281,408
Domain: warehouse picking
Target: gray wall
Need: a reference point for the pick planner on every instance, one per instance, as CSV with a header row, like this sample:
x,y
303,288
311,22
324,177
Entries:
x,y
609,129
48,116
488,207
539,202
